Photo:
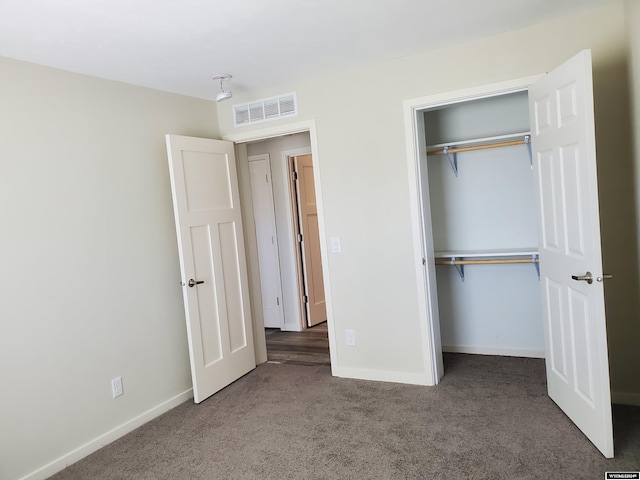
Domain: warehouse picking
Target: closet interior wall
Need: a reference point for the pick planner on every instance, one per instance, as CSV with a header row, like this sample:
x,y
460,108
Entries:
x,y
489,206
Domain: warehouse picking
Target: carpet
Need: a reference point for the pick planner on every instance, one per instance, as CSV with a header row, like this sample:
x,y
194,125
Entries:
x,y
489,418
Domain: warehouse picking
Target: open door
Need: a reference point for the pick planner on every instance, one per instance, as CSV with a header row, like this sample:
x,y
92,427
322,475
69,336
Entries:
x,y
206,204
563,142
312,260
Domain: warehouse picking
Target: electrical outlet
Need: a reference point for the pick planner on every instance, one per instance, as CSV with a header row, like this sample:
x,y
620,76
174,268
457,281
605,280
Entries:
x,y
350,338
116,387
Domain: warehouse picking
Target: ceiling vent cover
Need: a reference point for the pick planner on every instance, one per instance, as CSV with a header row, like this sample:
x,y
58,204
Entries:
x,y
266,109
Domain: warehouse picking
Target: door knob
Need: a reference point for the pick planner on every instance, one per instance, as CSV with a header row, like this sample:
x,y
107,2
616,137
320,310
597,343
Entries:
x,y
605,276
192,283
586,277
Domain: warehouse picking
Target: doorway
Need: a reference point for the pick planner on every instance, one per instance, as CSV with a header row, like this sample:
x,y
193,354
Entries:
x,y
285,141
481,198
295,235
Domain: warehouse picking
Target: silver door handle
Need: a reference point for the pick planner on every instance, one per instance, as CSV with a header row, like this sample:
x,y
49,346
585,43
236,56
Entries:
x,y
192,283
586,277
605,276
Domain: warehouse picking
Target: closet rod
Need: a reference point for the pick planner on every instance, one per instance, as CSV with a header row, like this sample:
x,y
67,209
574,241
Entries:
x,y
481,147
486,262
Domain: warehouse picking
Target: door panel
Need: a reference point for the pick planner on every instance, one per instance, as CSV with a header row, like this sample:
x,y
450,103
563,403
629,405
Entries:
x,y
563,141
206,304
308,212
211,250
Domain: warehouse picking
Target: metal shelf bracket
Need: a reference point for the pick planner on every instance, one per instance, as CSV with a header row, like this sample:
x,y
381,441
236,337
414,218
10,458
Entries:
x,y
459,268
453,161
527,142
536,263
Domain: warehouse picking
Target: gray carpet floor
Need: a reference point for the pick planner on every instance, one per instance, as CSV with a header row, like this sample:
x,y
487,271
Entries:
x,y
490,418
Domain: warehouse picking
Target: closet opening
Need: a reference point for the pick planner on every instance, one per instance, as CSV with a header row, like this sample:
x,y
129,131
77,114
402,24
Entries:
x,y
478,194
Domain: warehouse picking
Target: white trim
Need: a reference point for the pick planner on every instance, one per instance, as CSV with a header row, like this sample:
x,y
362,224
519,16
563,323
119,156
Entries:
x,y
426,324
625,398
501,351
473,93
383,376
271,132
108,437
287,129
411,108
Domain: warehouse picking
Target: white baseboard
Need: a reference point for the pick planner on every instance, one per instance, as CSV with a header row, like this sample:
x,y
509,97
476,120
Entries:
x,y
502,351
625,398
108,437
382,376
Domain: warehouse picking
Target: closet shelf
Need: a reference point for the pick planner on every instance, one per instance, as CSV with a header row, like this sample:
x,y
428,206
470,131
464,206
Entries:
x,y
451,149
459,259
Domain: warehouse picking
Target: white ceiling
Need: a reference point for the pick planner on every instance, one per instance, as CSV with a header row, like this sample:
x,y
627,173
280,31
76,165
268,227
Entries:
x,y
178,45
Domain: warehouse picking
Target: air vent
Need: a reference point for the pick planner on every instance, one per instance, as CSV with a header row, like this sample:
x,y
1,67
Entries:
x,y
266,109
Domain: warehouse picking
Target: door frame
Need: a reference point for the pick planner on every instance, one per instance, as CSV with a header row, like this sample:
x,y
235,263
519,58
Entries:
x,y
308,126
415,139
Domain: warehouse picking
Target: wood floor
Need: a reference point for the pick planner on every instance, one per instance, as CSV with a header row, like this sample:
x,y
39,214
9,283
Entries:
x,y
309,347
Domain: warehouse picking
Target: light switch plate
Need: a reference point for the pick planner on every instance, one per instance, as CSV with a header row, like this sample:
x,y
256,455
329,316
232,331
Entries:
x,y
350,338
335,245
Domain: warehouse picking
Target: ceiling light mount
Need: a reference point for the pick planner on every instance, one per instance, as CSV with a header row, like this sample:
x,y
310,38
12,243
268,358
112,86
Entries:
x,y
222,95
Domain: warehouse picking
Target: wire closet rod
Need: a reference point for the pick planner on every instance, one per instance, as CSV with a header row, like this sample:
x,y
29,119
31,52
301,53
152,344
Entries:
x,y
486,262
485,146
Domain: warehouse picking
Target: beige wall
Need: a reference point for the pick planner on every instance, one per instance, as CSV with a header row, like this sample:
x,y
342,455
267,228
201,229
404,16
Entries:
x,y
89,286
364,179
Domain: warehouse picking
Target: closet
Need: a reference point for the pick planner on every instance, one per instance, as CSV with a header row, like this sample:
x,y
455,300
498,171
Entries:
x,y
483,215
484,225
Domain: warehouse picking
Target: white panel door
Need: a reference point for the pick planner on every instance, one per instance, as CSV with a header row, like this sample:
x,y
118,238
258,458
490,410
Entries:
x,y
563,139
206,204
265,223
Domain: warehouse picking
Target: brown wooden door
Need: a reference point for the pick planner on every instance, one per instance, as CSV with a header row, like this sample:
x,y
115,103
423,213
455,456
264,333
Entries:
x,y
311,259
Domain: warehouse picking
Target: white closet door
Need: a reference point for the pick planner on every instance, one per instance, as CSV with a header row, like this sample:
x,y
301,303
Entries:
x,y
265,223
563,139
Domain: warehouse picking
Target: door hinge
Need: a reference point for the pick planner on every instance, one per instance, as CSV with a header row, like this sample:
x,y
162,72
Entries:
x,y
266,178
305,299
278,301
299,238
424,261
295,175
